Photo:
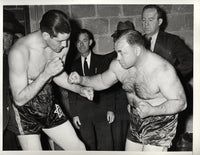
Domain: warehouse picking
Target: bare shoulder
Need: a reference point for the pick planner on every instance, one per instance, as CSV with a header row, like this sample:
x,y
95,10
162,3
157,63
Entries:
x,y
115,66
19,52
165,72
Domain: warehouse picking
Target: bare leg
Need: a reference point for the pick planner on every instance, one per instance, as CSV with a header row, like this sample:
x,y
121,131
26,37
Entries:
x,y
132,146
154,148
51,143
65,136
30,142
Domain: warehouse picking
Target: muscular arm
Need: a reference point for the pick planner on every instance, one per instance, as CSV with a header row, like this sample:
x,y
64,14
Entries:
x,y
172,90
101,81
22,91
62,81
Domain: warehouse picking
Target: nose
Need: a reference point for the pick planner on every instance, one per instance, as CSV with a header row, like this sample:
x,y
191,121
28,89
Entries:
x,y
118,56
63,43
146,22
81,43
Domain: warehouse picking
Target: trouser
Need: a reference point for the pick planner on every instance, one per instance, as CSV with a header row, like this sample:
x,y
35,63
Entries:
x,y
119,131
96,135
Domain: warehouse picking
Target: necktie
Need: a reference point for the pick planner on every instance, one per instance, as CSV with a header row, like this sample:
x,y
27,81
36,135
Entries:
x,y
86,69
148,43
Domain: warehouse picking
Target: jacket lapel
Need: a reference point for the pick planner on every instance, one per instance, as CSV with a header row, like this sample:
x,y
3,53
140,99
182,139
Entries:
x,y
79,67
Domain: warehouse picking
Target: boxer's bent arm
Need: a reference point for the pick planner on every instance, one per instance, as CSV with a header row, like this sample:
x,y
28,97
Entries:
x,y
62,81
22,91
100,81
172,89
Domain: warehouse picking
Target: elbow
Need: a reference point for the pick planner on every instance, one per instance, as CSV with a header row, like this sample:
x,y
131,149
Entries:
x,y
183,105
18,102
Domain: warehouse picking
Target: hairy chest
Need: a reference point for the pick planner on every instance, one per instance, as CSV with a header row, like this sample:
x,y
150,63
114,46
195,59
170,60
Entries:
x,y
141,84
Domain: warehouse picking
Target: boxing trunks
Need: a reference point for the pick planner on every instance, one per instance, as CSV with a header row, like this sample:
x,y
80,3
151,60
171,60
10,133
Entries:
x,y
153,130
42,111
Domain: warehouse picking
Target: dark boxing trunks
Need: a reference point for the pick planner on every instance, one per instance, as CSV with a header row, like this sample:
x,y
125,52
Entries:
x,y
154,130
40,112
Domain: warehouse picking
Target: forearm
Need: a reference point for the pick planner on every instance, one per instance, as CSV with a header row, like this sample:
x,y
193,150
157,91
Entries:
x,y
30,91
169,107
96,82
62,81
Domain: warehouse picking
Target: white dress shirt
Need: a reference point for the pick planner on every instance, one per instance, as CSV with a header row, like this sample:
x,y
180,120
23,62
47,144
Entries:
x,y
153,41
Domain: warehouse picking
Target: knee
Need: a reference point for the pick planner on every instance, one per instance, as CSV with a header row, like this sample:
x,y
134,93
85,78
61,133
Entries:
x,y
82,146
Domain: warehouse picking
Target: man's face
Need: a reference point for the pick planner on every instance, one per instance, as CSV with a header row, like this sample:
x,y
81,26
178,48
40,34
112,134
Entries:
x,y
150,21
59,42
7,41
83,44
126,54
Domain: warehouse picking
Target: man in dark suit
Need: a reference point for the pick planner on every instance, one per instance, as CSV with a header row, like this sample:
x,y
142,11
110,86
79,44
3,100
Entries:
x,y
173,49
167,45
92,118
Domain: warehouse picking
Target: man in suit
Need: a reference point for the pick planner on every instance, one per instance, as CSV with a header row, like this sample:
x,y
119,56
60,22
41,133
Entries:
x,y
171,48
167,45
92,118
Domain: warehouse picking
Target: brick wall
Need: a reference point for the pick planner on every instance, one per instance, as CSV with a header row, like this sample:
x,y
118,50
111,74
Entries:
x,y
102,20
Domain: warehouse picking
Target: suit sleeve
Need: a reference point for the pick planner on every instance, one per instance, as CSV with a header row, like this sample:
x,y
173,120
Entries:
x,y
185,59
111,96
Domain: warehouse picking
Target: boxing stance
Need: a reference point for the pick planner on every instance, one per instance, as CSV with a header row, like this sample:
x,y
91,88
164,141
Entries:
x,y
35,61
153,89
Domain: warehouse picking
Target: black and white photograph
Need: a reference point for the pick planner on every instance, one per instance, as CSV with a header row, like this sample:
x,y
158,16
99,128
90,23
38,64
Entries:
x,y
100,77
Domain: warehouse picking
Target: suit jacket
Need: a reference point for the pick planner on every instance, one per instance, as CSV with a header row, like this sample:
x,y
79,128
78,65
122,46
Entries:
x,y
103,100
174,50
6,98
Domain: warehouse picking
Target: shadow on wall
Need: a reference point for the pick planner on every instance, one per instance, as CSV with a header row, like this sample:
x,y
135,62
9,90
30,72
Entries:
x,y
72,51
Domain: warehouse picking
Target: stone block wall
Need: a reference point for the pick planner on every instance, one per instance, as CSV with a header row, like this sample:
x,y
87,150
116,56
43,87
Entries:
x,y
102,20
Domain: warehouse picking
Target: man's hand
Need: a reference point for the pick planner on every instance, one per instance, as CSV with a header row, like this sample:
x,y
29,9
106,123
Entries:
x,y
76,122
144,109
53,67
129,108
87,92
110,116
74,78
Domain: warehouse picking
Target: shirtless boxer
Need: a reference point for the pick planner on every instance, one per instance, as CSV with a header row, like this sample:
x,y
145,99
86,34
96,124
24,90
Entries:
x,y
34,61
153,89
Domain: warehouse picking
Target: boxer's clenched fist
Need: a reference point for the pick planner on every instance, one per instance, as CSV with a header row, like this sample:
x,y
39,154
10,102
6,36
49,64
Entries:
x,y
74,78
53,67
87,92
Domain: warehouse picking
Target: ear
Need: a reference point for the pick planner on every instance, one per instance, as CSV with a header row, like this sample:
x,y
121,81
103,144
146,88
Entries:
x,y
137,50
160,21
90,43
45,35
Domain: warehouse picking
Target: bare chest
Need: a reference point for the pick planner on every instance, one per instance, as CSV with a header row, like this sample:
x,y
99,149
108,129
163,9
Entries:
x,y
38,61
140,84
36,65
